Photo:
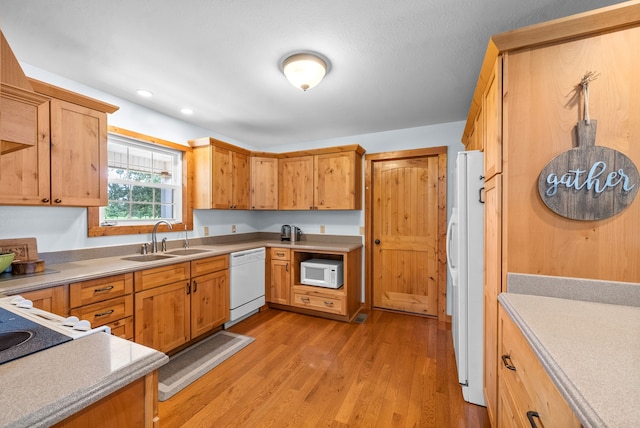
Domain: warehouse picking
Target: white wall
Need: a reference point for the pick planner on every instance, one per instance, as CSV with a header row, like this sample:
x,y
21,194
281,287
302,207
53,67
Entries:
x,y
61,228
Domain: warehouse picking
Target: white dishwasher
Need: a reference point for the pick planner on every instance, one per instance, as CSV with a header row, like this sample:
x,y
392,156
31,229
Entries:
x,y
246,284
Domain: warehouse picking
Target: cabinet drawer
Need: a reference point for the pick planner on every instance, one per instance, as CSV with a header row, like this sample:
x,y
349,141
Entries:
x,y
280,254
105,312
209,265
527,384
319,302
122,328
163,275
96,290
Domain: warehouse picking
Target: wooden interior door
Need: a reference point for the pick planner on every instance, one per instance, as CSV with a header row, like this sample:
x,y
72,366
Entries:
x,y
407,206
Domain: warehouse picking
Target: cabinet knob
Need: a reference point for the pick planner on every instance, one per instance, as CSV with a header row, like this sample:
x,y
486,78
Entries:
x,y
57,200
45,200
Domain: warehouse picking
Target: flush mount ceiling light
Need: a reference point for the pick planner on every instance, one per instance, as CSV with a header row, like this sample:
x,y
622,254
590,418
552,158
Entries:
x,y
304,70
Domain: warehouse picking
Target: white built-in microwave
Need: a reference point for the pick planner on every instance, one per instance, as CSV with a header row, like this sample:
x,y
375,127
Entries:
x,y
322,273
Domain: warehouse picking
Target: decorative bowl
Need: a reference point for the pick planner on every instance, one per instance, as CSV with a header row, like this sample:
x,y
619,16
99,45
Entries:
x,y
5,260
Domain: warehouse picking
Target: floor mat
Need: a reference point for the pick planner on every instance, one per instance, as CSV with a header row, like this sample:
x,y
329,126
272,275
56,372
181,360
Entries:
x,y
188,365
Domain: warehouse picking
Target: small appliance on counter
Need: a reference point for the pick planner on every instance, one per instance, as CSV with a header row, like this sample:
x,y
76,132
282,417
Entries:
x,y
290,233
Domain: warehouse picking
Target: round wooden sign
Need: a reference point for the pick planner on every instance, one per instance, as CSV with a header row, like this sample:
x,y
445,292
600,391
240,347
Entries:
x,y
588,182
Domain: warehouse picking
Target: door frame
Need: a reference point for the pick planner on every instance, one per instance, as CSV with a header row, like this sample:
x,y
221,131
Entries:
x,y
441,152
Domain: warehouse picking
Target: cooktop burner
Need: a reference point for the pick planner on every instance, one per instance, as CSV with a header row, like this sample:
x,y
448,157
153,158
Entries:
x,y
20,337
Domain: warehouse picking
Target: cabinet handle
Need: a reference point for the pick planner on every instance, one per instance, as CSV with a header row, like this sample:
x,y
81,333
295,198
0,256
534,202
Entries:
x,y
100,290
530,416
508,364
286,267
188,288
329,304
195,286
280,254
45,200
103,314
57,200
305,299
480,198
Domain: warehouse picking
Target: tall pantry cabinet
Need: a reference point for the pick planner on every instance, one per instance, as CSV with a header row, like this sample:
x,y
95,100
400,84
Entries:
x,y
524,112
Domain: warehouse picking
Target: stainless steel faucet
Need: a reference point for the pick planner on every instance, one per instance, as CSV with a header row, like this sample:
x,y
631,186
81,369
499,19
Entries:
x,y
154,240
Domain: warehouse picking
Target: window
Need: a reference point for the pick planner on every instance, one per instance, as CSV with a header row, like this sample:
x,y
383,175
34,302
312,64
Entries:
x,y
147,179
145,183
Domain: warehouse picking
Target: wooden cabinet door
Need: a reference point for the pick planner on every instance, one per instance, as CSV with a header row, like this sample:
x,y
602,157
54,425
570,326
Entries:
x,y
492,122
264,183
78,155
280,282
295,183
492,287
209,302
240,165
222,177
338,178
163,316
24,174
51,299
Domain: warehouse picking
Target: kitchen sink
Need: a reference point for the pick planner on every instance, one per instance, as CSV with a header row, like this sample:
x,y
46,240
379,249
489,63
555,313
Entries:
x,y
147,257
186,252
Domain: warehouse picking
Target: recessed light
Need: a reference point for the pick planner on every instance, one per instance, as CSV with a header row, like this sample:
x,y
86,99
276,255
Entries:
x,y
144,93
186,110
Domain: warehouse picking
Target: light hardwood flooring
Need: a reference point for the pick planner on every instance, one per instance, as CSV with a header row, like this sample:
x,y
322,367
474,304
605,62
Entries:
x,y
393,370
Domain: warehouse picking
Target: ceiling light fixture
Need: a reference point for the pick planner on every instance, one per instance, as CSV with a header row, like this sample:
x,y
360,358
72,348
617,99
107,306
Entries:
x,y
304,70
144,93
186,110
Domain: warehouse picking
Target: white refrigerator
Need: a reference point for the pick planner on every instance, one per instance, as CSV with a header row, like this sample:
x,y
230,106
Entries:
x,y
465,261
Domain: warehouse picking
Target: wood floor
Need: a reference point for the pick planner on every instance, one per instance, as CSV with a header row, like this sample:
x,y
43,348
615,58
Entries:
x,y
393,370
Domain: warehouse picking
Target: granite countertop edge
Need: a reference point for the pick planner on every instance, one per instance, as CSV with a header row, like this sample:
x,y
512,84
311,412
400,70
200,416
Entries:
x,y
585,413
82,398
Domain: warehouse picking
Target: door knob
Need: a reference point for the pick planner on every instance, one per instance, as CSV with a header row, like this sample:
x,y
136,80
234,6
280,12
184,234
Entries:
x,y
377,241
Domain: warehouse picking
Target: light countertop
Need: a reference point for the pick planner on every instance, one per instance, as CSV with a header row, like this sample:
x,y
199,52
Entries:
x,y
83,270
46,387
591,350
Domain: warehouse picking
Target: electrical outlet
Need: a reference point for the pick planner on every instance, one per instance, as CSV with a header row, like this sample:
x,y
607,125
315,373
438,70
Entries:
x,y
361,230
233,228
206,231
322,228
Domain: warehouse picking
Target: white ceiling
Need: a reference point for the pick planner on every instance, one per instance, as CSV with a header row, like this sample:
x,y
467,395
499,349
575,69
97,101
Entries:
x,y
394,63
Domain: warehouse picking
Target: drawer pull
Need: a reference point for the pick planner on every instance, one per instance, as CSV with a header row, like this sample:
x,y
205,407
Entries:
x,y
104,314
305,299
280,254
508,364
530,416
329,304
100,290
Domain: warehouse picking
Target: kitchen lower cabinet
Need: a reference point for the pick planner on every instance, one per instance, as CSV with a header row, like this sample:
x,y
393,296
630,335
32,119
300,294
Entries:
x,y
52,299
209,294
279,275
526,392
177,303
163,306
135,405
341,304
105,301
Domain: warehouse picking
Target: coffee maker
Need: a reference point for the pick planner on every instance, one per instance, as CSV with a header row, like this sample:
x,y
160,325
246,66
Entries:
x,y
290,233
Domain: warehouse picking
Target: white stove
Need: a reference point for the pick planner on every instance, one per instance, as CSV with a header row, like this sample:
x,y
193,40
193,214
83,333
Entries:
x,y
25,329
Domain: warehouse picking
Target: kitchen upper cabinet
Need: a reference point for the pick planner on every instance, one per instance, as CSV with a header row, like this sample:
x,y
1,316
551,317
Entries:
x,y
325,179
221,175
68,165
295,183
264,182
